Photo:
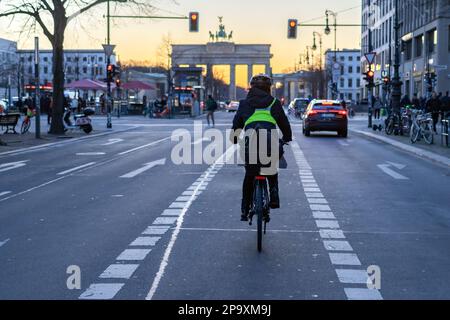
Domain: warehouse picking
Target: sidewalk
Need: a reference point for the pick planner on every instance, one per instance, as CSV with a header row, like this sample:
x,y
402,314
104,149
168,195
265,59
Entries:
x,y
435,152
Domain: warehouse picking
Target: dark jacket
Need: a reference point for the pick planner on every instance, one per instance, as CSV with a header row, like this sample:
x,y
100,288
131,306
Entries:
x,y
259,99
211,105
433,105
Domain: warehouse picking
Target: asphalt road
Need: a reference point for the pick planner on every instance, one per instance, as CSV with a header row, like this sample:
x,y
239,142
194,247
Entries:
x,y
139,226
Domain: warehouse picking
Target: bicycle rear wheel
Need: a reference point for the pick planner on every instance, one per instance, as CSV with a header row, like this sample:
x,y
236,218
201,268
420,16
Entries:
x,y
259,211
25,126
414,134
390,126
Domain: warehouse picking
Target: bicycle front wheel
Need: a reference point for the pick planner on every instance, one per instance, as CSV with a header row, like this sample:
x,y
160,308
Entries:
x,y
427,133
25,126
414,134
390,126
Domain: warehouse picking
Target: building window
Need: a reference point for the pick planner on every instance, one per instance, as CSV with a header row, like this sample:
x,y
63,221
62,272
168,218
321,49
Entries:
x,y
342,59
84,70
350,69
85,59
358,69
69,59
69,70
45,59
358,83
100,59
45,70
419,46
408,50
350,58
350,83
350,96
431,41
342,83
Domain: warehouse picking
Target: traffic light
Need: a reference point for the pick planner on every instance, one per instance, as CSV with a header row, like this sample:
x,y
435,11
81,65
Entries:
x,y
292,28
369,77
110,71
193,21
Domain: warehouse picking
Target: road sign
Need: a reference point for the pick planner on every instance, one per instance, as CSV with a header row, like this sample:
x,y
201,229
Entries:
x,y
109,49
384,73
370,57
440,67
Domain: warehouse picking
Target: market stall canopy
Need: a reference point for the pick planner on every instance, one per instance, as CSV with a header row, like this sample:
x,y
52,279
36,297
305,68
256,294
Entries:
x,y
87,84
138,85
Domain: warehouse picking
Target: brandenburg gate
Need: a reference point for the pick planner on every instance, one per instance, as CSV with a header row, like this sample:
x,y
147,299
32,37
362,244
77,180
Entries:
x,y
220,50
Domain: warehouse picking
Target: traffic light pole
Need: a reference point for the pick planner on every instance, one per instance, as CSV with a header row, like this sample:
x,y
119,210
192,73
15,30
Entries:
x,y
370,84
108,61
396,82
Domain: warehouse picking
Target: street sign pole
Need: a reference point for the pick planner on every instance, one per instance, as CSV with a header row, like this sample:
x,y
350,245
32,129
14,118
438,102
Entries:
x,y
37,85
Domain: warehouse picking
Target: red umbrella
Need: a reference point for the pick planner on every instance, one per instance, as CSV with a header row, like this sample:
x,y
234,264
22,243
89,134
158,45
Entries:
x,y
138,85
87,84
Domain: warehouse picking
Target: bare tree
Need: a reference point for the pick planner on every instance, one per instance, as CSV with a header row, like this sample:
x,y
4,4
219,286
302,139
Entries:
x,y
53,17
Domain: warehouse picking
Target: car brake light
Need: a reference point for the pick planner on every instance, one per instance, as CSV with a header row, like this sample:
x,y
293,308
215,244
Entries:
x,y
342,112
312,112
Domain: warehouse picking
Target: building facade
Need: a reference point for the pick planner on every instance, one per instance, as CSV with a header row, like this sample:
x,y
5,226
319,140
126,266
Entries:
x,y
8,63
425,48
345,73
78,65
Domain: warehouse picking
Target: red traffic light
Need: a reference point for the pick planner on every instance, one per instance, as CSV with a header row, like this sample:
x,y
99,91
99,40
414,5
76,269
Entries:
x,y
370,74
194,18
292,28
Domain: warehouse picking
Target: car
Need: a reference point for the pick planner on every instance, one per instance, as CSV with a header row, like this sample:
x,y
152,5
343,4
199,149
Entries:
x,y
326,115
4,105
298,107
233,106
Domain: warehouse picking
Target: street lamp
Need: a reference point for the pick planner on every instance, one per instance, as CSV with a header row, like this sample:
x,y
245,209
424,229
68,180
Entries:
x,y
327,32
314,47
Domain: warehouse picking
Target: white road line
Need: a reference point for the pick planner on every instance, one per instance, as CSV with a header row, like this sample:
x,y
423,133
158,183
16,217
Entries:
x,y
172,212
119,271
344,259
337,245
91,154
144,146
13,165
327,224
362,294
345,144
317,201
165,261
352,276
2,243
4,193
392,173
101,291
314,195
133,254
145,242
312,190
32,189
156,230
323,215
178,205
77,168
331,234
319,207
165,221
112,141
145,168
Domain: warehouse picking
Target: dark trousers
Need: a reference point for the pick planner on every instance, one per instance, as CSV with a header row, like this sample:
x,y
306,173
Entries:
x,y
247,189
435,117
377,113
210,115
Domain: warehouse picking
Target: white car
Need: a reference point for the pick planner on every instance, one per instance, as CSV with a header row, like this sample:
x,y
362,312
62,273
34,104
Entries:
x,y
233,106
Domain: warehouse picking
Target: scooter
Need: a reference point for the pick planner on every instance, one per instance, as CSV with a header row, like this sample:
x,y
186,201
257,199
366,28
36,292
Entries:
x,y
82,120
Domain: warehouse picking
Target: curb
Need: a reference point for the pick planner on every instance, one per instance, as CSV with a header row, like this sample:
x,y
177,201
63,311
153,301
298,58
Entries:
x,y
416,151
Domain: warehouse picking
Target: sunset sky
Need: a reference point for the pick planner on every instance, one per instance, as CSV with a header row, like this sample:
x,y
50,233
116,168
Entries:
x,y
252,21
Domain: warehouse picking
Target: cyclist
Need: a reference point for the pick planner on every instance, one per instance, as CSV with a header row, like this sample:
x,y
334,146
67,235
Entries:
x,y
260,110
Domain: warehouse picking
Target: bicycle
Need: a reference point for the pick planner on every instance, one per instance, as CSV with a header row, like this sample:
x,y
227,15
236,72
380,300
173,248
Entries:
x,y
422,127
26,124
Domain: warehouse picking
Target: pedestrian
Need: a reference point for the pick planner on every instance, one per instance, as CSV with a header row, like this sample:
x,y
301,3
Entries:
x,y
377,108
416,102
434,106
50,110
211,107
102,103
405,101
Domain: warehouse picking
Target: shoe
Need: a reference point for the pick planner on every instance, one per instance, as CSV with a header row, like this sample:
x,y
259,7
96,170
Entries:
x,y
245,209
244,217
274,199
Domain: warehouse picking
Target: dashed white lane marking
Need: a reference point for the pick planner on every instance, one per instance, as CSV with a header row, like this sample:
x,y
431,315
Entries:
x,y
344,259
397,176
165,261
4,193
352,276
323,215
119,271
32,189
343,143
156,230
112,141
144,146
76,168
91,154
145,168
327,224
362,294
338,246
13,165
133,254
165,220
340,251
2,243
145,242
172,212
102,291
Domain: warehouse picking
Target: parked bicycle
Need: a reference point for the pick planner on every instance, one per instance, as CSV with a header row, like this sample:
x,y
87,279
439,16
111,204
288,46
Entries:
x,y
26,124
422,127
